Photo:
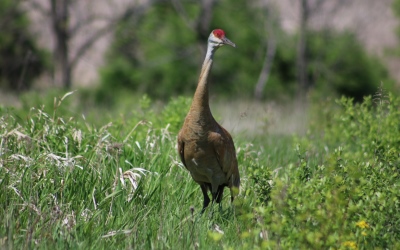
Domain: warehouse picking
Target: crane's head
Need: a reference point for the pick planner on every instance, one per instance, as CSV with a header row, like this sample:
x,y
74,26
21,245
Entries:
x,y
217,39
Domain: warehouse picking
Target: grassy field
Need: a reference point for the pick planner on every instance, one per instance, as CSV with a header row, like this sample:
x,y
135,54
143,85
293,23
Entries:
x,y
322,176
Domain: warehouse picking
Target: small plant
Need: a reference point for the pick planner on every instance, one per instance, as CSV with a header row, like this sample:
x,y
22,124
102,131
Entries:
x,y
303,171
175,112
261,184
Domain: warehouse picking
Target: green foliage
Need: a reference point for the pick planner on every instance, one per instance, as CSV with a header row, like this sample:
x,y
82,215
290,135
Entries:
x,y
162,55
262,187
174,113
159,54
339,63
149,58
351,198
21,60
66,182
236,70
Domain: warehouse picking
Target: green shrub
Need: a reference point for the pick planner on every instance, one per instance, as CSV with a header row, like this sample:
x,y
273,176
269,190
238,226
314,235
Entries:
x,y
174,113
344,190
21,60
338,63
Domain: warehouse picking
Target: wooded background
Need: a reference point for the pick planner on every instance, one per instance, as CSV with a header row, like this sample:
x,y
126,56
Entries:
x,y
156,46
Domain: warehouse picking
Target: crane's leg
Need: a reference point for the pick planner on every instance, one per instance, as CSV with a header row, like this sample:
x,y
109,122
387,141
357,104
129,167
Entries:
x,y
213,198
204,189
220,194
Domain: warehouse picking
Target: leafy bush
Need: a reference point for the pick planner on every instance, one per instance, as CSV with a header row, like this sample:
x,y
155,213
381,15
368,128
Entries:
x,y
344,190
21,60
175,112
339,63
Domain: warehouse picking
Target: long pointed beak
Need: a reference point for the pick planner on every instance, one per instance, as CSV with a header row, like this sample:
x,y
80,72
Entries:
x,y
228,42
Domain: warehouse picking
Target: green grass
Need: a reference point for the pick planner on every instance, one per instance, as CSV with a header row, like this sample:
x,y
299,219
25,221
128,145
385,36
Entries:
x,y
115,182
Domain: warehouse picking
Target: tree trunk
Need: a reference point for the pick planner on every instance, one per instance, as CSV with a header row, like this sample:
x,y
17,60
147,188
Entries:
x,y
60,24
266,69
302,48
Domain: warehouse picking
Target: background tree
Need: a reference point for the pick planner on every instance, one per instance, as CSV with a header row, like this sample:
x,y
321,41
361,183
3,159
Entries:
x,y
338,63
66,29
21,60
60,19
396,11
168,61
308,9
270,23
159,53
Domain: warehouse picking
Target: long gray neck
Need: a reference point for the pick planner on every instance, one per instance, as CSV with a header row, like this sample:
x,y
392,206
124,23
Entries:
x,y
201,96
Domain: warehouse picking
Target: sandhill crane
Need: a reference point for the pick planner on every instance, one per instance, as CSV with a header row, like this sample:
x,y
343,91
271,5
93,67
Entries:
x,y
205,147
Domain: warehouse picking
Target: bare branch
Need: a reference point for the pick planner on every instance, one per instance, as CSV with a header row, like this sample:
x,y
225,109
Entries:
x,y
316,6
269,24
89,43
266,68
36,5
135,11
87,22
338,5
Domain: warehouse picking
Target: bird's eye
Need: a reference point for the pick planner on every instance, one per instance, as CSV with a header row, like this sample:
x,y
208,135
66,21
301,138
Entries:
x,y
217,42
